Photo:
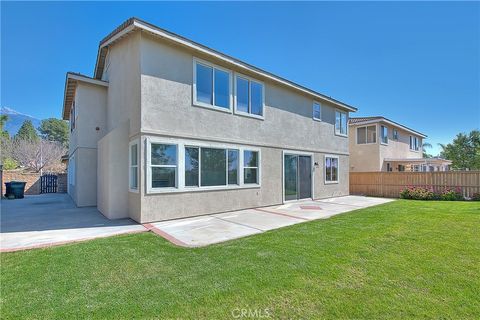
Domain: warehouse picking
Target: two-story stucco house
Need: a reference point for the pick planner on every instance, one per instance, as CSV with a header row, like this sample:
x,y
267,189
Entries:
x,y
168,128
380,144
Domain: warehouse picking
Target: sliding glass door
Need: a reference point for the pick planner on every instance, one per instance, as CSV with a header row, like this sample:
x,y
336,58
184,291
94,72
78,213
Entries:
x,y
297,177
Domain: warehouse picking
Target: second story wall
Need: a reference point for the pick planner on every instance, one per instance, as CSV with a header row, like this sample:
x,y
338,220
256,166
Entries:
x,y
370,156
122,71
167,106
399,148
90,114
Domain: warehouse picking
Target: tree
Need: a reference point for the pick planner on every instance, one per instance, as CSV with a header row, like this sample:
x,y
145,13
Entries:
x,y
27,132
37,154
463,151
54,130
3,121
426,146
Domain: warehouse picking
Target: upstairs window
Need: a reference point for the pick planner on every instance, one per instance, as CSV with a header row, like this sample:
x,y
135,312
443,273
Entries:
x,y
341,123
212,86
317,111
414,143
384,132
249,96
367,135
395,134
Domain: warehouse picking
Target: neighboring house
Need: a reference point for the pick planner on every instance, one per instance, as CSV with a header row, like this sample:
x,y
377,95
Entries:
x,y
168,128
380,144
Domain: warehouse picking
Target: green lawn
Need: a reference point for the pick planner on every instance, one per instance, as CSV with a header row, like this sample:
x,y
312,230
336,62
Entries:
x,y
406,259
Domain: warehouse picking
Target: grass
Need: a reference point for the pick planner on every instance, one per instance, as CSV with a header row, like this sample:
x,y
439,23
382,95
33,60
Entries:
x,y
406,259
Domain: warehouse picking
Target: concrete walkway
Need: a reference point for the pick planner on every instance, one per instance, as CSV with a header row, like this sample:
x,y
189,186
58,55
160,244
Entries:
x,y
206,230
53,219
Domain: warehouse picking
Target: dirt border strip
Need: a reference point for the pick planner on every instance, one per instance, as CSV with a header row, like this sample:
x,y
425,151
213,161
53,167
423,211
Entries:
x,y
281,214
166,236
60,243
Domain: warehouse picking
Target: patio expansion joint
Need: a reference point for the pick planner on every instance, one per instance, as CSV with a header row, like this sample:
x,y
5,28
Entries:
x,y
342,204
281,214
240,224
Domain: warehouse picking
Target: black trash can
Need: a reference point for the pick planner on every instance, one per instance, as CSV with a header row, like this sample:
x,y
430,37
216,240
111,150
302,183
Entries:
x,y
16,188
8,189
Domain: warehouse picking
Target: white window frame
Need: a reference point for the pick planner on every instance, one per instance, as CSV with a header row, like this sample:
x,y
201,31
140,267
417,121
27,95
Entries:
x,y
366,134
130,166
414,144
200,166
149,166
248,114
338,132
395,134
325,168
381,135
313,110
257,167
194,86
180,176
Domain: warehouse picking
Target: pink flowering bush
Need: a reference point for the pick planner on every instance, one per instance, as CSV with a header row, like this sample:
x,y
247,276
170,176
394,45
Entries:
x,y
417,193
451,194
427,193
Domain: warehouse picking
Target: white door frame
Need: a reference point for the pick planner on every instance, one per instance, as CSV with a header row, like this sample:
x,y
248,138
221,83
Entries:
x,y
312,167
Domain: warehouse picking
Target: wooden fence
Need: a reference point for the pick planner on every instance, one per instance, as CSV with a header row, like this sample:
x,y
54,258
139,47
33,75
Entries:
x,y
389,184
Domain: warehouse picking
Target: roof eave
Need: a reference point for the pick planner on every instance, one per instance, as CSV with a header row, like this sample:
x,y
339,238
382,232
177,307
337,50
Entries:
x,y
393,123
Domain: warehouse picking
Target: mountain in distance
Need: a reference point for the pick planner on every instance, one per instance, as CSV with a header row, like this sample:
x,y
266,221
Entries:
x,y
16,119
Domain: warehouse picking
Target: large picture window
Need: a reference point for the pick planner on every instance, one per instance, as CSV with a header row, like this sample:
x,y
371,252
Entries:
x,y
366,135
249,98
341,123
163,162
133,161
209,167
250,166
178,165
212,86
331,169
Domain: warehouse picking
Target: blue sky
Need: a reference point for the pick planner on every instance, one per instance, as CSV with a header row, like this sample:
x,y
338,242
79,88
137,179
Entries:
x,y
417,63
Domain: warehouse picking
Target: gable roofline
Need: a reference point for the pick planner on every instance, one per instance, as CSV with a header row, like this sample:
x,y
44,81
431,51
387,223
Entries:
x,y
133,24
71,80
368,120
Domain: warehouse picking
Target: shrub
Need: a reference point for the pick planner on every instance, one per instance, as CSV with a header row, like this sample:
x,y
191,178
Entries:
x,y
476,196
417,193
9,164
451,195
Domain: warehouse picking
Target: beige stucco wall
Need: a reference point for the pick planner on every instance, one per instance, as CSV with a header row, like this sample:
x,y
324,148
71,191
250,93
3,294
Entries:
x,y
370,157
90,108
168,110
112,173
122,71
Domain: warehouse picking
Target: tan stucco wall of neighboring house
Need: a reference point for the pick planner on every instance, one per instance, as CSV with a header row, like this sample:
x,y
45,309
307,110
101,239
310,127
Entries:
x,y
370,157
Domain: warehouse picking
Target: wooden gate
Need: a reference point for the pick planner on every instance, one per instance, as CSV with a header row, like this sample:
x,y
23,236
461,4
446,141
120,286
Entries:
x,y
48,183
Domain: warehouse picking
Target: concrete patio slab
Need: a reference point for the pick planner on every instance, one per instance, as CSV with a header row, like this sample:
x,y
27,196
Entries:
x,y
258,219
53,219
215,228
201,231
